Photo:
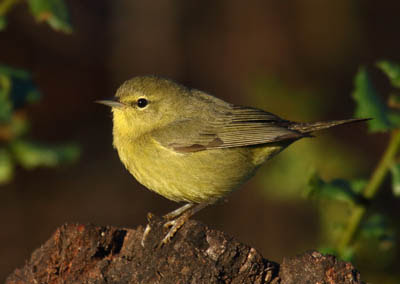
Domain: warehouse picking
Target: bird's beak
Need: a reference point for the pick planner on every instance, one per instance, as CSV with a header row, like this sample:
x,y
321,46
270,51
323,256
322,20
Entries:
x,y
111,103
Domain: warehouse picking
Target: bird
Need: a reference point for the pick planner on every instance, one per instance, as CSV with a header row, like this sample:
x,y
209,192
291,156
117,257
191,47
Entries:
x,y
192,147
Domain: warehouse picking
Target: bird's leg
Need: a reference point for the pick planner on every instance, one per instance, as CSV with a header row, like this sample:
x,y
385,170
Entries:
x,y
179,211
178,217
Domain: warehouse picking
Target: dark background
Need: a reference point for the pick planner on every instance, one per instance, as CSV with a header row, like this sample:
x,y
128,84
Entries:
x,y
294,58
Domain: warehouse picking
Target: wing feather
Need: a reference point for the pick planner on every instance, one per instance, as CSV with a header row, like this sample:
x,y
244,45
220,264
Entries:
x,y
235,127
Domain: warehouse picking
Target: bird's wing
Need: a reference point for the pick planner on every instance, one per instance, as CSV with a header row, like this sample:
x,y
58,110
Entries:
x,y
239,126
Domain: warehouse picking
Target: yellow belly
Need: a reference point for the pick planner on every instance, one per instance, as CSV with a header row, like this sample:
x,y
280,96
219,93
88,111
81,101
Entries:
x,y
196,177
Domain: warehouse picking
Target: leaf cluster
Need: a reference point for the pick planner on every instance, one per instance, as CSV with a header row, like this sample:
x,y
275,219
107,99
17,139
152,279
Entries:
x,y
52,12
362,223
17,91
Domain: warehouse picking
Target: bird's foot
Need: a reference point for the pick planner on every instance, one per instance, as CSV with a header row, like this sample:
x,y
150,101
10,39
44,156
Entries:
x,y
174,221
173,225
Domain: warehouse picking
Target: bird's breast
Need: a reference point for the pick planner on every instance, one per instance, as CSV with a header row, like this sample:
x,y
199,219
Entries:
x,y
198,177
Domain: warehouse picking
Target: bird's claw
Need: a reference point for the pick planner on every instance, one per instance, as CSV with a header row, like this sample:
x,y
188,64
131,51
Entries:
x,y
174,226
173,220
147,230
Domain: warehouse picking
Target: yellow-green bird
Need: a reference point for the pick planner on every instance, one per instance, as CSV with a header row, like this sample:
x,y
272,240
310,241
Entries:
x,y
191,147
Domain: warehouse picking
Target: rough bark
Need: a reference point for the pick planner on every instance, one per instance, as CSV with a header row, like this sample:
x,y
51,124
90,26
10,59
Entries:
x,y
197,254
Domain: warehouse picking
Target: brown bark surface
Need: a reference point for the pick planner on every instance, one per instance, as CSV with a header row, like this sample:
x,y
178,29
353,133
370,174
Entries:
x,y
197,254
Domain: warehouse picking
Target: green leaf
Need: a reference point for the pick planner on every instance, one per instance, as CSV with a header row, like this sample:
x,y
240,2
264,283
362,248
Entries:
x,y
31,155
5,102
357,185
347,254
338,189
16,90
377,227
394,101
394,117
3,23
328,250
395,170
54,12
6,166
369,104
14,72
392,70
19,126
17,86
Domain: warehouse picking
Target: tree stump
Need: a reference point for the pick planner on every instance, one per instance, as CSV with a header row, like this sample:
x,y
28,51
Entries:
x,y
94,254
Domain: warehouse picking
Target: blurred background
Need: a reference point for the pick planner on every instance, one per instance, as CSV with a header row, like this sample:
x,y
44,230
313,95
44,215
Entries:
x,y
294,58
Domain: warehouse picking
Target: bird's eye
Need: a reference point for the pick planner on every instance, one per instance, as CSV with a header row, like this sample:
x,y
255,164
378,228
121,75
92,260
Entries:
x,y
142,103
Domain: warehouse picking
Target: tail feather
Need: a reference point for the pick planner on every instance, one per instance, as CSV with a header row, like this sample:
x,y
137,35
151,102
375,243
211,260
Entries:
x,y
316,126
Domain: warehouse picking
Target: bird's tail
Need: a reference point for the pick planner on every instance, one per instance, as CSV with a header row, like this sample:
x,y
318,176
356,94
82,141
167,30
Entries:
x,y
316,126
